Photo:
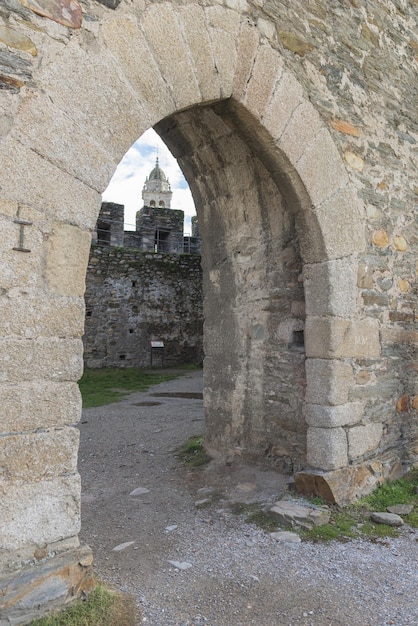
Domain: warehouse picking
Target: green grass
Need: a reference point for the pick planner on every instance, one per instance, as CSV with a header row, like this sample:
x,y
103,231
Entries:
x,y
400,491
255,514
193,453
110,384
349,522
103,607
354,520
263,520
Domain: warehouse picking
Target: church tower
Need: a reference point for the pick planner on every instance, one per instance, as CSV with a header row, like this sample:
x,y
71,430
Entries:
x,y
157,190
159,227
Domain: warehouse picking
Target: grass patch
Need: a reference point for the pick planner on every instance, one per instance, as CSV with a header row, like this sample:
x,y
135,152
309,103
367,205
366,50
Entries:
x,y
255,514
341,527
349,522
103,607
412,518
354,520
263,520
110,384
400,491
193,453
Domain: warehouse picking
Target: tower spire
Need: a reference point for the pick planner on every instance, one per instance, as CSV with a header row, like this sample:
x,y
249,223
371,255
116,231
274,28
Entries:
x,y
157,190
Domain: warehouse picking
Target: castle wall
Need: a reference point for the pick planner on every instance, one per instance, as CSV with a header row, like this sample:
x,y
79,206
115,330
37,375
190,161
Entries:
x,y
168,223
134,297
109,225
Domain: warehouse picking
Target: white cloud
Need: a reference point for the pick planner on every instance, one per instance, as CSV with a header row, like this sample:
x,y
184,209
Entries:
x,y
129,178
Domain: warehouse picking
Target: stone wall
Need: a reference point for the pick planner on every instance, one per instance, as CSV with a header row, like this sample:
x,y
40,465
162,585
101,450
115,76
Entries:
x,y
134,297
295,124
168,223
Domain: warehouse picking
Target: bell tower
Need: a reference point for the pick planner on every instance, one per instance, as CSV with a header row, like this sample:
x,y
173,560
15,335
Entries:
x,y
157,190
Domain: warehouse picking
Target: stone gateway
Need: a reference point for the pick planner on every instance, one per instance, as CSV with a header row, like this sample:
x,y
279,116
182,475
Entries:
x,y
296,127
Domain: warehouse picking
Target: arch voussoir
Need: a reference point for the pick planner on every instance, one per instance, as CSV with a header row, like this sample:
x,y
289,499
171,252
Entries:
x,y
287,96
171,52
341,224
46,190
301,129
196,33
265,73
95,95
223,26
248,42
321,168
123,37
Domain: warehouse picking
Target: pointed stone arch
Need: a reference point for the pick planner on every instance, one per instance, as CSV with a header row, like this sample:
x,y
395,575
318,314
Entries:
x,y
90,99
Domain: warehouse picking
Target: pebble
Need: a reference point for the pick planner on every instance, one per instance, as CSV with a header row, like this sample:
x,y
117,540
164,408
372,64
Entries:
x,y
401,509
170,528
246,487
293,513
202,502
123,546
139,491
180,564
286,537
391,519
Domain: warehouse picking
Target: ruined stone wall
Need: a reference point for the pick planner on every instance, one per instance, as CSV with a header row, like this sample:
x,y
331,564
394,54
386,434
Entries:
x,y
167,222
294,122
133,297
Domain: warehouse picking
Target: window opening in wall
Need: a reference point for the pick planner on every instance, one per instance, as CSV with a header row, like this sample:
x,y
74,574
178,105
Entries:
x,y
161,241
103,233
298,339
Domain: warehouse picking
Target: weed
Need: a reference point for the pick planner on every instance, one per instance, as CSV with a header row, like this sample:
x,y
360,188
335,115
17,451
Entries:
x,y
318,501
354,520
412,519
110,384
103,607
255,514
263,520
342,527
193,453
400,491
377,531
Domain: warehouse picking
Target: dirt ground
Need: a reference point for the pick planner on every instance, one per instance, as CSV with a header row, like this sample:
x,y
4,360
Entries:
x,y
189,560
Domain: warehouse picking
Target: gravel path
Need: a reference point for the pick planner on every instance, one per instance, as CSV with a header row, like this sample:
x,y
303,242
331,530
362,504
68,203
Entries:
x,y
234,574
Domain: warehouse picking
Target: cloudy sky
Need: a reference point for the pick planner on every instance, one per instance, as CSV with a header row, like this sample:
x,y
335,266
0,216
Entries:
x,y
128,180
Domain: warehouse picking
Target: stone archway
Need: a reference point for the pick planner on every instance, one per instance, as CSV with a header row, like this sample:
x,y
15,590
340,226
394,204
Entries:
x,y
249,213
87,99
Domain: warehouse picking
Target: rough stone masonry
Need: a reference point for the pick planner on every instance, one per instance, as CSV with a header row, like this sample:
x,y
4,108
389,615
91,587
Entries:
x,y
134,297
296,127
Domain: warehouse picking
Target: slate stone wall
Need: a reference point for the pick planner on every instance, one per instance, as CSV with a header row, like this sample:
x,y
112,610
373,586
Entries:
x,y
134,297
